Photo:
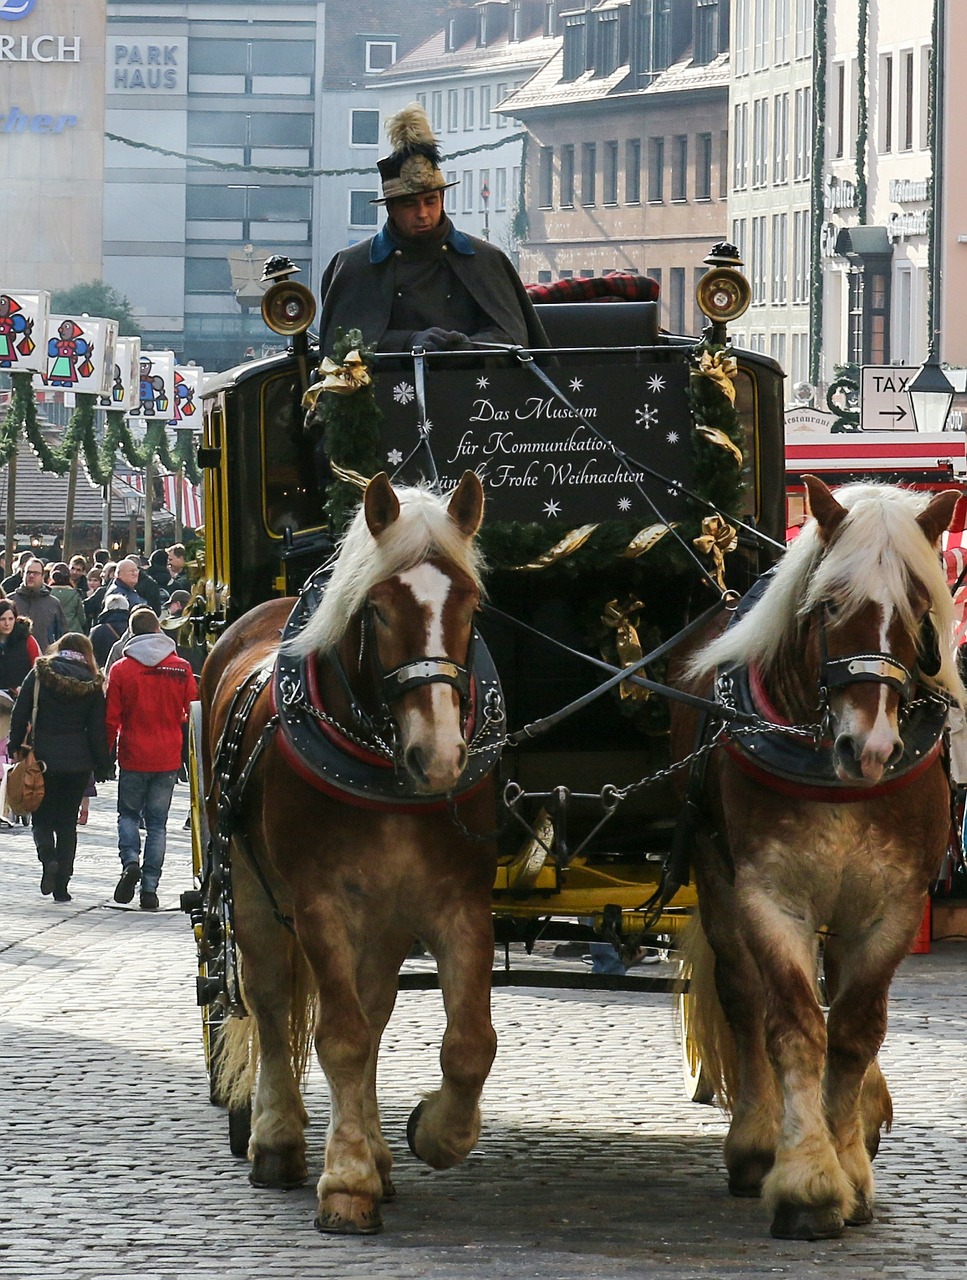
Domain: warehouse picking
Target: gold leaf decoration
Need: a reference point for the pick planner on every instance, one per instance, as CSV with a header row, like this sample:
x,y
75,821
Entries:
x,y
566,547
717,539
347,474
343,379
715,436
721,369
646,538
625,621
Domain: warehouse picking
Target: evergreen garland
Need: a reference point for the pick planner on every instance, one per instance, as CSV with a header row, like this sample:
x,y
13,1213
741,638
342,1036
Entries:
x,y
350,430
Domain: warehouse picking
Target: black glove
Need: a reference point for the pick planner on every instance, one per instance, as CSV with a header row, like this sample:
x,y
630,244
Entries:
x,y
437,339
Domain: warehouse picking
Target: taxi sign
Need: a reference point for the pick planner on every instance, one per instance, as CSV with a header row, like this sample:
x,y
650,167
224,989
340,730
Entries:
x,y
885,403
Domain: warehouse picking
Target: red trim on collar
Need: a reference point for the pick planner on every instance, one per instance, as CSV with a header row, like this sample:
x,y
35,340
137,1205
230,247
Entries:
x,y
820,792
761,699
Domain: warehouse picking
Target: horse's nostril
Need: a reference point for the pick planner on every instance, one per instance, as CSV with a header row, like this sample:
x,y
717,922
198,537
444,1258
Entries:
x,y
846,747
895,755
462,757
415,763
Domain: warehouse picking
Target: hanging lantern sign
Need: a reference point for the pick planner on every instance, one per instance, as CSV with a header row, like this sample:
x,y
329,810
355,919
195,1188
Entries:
x,y
124,384
80,354
156,386
23,329
187,399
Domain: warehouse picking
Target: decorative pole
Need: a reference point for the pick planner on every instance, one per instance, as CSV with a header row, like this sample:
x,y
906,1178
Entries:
x,y
69,513
10,532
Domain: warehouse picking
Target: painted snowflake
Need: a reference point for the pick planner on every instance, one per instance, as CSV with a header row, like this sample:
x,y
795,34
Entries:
x,y
425,428
551,508
656,383
483,382
646,417
576,384
673,437
394,457
403,392
624,504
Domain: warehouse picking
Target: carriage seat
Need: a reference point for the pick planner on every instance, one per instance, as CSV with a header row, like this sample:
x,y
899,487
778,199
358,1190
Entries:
x,y
600,324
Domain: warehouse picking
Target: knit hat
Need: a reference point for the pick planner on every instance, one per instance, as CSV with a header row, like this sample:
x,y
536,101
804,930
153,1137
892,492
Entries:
x,y
60,575
413,167
115,601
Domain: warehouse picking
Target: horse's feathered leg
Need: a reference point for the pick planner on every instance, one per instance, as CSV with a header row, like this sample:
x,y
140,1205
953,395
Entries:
x,y
277,992
445,1127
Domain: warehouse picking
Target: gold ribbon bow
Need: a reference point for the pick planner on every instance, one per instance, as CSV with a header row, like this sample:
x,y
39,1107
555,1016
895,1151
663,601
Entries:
x,y
626,641
721,369
717,539
343,379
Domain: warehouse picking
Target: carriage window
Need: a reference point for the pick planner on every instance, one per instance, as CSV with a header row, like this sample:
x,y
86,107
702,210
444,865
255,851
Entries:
x,y
291,492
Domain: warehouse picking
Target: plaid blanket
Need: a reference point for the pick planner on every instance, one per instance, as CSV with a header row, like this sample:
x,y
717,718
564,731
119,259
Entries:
x,y
621,286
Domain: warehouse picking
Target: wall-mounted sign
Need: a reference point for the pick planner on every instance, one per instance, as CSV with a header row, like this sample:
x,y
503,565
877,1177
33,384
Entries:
x,y
80,354
39,48
909,191
902,226
187,399
23,330
156,385
136,65
124,384
17,121
11,10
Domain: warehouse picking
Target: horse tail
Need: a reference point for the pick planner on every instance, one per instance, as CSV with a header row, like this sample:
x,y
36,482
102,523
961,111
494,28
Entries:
x,y
708,1040
236,1049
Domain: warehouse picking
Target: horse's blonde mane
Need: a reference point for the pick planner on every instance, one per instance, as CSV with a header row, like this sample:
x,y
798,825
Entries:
x,y
879,544
424,528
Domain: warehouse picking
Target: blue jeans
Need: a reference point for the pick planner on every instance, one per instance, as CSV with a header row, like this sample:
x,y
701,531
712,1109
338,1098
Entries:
x,y
147,794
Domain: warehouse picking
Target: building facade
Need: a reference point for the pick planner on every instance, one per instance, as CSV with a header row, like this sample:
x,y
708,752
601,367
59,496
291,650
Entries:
x,y
51,143
627,153
462,75
231,128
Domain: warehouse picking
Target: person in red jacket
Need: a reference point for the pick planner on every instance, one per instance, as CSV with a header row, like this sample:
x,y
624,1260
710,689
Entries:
x,y
149,693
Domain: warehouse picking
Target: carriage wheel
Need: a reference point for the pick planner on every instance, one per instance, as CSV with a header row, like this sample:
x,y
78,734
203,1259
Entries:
x,y
240,1130
698,1087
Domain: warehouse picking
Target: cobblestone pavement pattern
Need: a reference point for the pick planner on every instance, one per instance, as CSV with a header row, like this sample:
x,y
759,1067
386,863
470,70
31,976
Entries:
x,y
591,1163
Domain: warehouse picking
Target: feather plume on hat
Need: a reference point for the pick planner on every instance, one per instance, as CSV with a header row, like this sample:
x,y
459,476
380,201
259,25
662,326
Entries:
x,y
413,167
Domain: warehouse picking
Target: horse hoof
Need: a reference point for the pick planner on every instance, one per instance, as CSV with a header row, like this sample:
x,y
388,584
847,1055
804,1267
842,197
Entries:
x,y
861,1212
744,1189
807,1222
280,1169
346,1215
411,1127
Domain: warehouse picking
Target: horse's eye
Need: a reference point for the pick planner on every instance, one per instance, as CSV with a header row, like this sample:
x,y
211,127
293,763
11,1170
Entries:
x,y
378,616
833,609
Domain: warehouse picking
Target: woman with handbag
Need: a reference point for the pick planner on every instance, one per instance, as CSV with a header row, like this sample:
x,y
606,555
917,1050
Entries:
x,y
18,653
68,736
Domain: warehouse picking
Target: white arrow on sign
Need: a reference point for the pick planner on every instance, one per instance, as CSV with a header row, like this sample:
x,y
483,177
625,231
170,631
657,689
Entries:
x,y
885,398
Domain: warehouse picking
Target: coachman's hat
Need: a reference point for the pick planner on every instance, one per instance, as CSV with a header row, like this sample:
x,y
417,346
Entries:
x,y
413,167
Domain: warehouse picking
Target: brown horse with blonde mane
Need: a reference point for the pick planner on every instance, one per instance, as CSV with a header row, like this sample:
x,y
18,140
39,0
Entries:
x,y
336,871
827,841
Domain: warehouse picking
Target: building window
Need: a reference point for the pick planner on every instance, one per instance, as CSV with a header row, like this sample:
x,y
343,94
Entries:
x,y
676,299
450,194
362,212
738,235
703,171
800,256
485,192
467,187
760,34
906,143
589,173
680,168
606,44
575,45
780,41
453,109
380,54
516,21
364,128
740,38
545,177
485,106
804,28
501,122
656,170
567,176
780,139
780,270
469,97
758,261
633,171
500,189
740,147
707,31
803,129
610,174
886,103
436,111
760,142
839,110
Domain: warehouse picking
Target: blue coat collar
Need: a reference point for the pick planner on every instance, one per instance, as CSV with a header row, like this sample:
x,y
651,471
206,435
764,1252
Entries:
x,y
384,243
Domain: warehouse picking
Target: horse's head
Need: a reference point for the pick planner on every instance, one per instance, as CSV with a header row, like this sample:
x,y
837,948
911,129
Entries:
x,y
873,600
419,623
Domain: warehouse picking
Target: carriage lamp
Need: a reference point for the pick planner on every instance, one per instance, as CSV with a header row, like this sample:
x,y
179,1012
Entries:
x,y
931,395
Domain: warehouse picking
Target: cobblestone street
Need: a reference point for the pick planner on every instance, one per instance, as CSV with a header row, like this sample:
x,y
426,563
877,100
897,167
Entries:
x,y
591,1164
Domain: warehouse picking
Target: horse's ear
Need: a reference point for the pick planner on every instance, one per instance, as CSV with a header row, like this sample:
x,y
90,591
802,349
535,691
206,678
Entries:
x,y
936,517
467,504
381,504
829,513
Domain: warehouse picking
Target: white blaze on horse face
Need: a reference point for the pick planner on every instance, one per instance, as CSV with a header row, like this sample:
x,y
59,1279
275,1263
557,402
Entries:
x,y
437,733
876,743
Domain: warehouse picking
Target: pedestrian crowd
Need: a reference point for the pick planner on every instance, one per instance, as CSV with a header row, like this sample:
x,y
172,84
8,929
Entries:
x,y
91,678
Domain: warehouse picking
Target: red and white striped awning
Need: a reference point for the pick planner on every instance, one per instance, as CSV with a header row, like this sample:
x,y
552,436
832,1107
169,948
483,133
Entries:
x,y
867,453
192,506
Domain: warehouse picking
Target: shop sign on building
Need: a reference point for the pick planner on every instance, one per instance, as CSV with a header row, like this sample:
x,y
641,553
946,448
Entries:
x,y
139,64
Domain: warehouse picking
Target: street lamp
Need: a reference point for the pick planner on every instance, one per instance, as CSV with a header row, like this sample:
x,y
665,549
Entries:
x,y
931,396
